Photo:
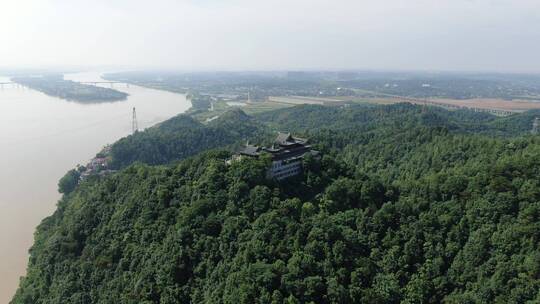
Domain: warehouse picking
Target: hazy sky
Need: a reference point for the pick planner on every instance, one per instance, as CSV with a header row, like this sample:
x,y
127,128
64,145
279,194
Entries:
x,y
501,35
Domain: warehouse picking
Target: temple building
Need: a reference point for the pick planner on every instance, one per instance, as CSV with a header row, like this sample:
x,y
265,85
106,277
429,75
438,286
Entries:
x,y
287,153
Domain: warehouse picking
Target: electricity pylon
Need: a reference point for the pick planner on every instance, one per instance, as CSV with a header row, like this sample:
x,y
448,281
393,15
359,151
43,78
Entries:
x,y
134,125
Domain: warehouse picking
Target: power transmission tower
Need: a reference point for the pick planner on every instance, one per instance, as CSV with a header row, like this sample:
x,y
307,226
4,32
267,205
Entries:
x,y
535,126
134,125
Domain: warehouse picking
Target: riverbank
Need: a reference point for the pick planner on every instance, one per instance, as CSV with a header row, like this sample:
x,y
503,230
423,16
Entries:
x,y
43,137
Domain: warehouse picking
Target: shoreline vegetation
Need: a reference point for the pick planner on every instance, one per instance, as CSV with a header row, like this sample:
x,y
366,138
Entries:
x,y
57,86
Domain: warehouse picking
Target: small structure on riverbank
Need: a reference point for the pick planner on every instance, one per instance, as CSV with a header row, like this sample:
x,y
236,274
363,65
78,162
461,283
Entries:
x,y
98,165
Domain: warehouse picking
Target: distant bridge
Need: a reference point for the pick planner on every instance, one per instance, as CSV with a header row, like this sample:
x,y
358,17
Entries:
x,y
499,112
95,83
9,83
98,82
450,106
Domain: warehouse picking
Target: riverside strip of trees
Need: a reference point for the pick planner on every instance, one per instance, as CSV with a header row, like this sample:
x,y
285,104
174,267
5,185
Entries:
x,y
57,86
407,205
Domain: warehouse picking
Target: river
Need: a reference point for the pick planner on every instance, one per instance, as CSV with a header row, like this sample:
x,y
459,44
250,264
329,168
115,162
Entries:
x,y
42,137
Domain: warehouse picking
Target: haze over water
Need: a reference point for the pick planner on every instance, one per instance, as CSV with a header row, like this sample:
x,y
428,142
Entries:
x,y
43,137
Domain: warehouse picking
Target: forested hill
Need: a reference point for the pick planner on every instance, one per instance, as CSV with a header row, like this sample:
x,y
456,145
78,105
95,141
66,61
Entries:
x,y
407,205
183,136
367,117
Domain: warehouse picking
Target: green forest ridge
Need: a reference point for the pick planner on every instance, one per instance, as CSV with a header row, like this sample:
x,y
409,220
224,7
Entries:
x,y
407,205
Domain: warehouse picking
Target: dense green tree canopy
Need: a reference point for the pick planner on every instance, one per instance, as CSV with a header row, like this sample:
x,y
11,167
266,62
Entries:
x,y
183,136
407,205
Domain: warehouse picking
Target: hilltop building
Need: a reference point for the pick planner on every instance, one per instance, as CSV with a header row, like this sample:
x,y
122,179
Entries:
x,y
287,153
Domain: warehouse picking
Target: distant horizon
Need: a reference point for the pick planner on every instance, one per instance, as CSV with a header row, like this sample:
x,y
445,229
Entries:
x,y
105,68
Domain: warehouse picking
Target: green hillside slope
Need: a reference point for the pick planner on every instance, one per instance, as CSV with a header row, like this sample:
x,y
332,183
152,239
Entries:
x,y
183,136
407,205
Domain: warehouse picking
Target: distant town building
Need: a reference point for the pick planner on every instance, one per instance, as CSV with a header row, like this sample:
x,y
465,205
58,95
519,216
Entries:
x,y
287,154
